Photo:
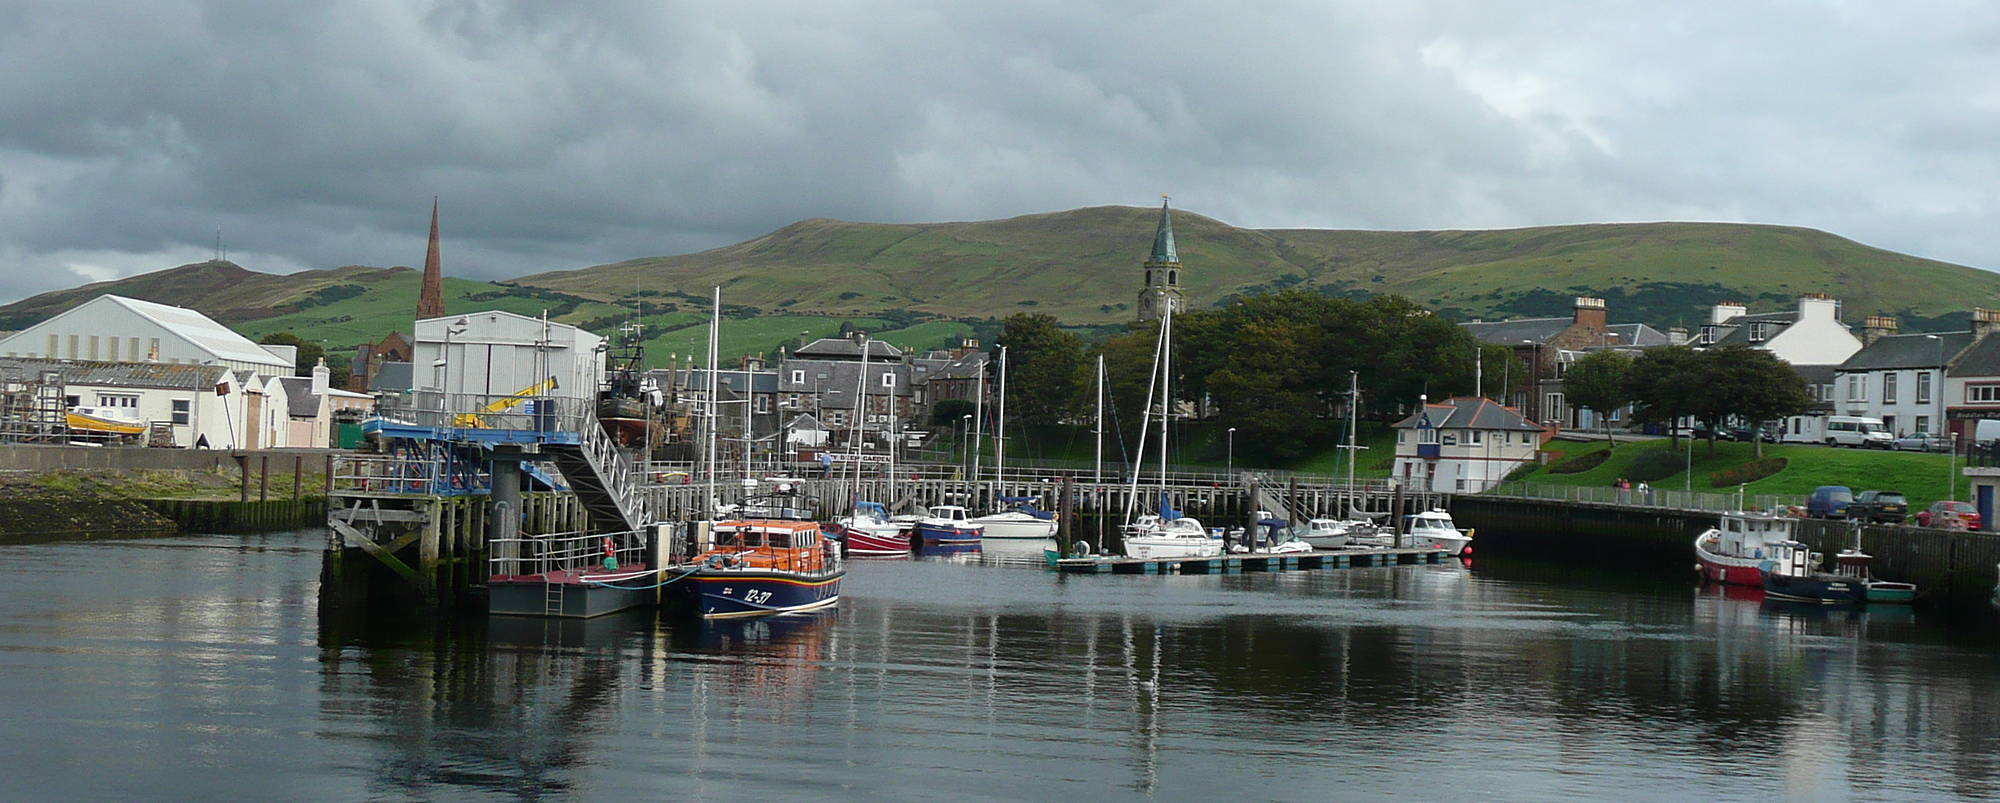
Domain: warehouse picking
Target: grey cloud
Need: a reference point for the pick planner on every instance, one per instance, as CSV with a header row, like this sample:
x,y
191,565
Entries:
x,y
563,136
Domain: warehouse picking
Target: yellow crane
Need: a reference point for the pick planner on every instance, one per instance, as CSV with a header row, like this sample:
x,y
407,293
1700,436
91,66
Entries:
x,y
477,420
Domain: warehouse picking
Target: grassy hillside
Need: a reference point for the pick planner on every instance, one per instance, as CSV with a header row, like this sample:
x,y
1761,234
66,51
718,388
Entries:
x,y
1083,266
1922,477
223,290
923,284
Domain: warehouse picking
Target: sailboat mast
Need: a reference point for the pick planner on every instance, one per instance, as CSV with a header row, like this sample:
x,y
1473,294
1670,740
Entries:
x,y
1000,433
854,435
1139,459
1166,386
1353,412
1097,470
714,345
978,421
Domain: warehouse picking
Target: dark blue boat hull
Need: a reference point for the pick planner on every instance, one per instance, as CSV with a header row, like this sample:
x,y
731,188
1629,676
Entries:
x,y
947,535
720,594
1828,588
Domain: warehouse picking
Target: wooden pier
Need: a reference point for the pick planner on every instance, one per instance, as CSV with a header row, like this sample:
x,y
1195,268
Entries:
x,y
1251,562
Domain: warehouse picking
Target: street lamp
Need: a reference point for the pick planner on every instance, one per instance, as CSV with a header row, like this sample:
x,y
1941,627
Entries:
x,y
964,445
1231,465
1937,388
443,363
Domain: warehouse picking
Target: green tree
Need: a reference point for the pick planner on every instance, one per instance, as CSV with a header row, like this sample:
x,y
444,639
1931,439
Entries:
x,y
1046,369
1128,369
1664,385
1268,391
1599,381
1756,386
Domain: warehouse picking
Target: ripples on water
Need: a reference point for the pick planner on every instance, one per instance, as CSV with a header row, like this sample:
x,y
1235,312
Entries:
x,y
200,667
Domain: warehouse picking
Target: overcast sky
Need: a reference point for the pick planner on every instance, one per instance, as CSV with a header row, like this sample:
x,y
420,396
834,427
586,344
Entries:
x,y
560,135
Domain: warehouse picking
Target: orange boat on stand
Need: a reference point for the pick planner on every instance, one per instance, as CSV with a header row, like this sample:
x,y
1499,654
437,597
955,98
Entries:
x,y
756,568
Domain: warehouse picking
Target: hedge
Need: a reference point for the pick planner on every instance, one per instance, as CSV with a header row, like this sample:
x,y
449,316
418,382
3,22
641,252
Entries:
x,y
1748,472
1581,463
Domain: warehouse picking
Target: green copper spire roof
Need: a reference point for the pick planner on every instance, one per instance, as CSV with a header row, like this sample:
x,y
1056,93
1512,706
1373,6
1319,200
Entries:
x,y
1163,238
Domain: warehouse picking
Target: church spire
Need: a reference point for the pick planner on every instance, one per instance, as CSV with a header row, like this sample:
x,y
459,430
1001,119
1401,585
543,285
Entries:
x,y
1163,271
1163,237
430,300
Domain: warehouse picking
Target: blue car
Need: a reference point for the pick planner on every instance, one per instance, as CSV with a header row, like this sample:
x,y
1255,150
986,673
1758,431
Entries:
x,y
1829,502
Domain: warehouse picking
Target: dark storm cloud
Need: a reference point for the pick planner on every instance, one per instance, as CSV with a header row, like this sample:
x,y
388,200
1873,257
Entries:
x,y
559,136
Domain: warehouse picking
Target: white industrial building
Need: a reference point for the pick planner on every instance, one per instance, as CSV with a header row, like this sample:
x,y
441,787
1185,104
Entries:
x,y
203,405
498,353
112,328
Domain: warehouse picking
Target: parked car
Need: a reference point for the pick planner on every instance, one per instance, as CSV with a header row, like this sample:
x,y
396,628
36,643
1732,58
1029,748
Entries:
x,y
1829,502
1950,515
1922,442
1746,434
1880,507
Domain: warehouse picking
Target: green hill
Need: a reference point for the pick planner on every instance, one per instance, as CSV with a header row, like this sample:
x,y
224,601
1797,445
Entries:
x,y
1083,266
926,284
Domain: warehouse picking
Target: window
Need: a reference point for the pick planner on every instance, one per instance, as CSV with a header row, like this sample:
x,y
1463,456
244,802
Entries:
x,y
1924,387
181,407
1552,405
1889,388
1760,332
888,380
798,377
114,349
1982,393
838,418
121,400
93,347
763,403
1472,436
1857,390
72,347
1923,423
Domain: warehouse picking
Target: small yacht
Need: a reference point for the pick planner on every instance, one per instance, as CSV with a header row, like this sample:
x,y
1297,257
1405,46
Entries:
x,y
1271,537
948,524
1180,538
1020,520
1324,533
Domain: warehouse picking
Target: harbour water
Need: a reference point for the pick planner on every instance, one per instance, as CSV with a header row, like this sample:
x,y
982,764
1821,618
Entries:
x,y
201,667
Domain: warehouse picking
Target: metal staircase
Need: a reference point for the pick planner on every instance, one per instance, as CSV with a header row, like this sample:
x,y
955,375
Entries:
x,y
602,478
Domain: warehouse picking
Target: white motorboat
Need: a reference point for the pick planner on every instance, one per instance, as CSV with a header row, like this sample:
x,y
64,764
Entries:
x,y
948,524
1327,533
1434,528
1271,537
1735,550
1181,538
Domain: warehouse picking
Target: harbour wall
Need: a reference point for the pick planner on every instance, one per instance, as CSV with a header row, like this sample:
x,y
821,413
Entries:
x,y
1950,568
230,516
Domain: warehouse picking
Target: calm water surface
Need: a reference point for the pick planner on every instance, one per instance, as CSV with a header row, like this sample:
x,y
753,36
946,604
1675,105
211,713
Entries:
x,y
200,667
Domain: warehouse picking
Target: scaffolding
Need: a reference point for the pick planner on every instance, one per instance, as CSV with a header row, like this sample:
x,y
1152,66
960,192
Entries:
x,y
34,406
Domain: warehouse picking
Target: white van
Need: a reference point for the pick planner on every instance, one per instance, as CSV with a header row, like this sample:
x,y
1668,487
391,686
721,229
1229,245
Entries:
x,y
1848,430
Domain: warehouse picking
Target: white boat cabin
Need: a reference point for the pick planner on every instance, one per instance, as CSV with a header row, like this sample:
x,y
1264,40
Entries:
x,y
1751,534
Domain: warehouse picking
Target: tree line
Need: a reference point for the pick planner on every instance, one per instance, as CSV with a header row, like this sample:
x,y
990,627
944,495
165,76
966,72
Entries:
x,y
1668,384
1275,367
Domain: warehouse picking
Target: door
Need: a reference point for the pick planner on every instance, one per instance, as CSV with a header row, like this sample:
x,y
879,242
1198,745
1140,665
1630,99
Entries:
x,y
1985,504
252,420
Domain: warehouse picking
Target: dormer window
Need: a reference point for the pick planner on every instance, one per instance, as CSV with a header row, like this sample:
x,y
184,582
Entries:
x,y
1707,336
1759,332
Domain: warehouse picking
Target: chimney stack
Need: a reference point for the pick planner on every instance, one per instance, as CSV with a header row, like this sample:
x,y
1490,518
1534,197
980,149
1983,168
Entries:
x,y
322,378
1984,321
1722,312
1677,336
1590,313
1876,327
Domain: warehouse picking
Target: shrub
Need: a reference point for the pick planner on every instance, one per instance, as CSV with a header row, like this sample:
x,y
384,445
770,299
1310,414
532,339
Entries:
x,y
1653,465
1521,472
1748,472
1581,463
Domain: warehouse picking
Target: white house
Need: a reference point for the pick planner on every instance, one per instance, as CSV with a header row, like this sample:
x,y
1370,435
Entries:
x,y
1900,379
1811,334
112,328
1462,445
497,353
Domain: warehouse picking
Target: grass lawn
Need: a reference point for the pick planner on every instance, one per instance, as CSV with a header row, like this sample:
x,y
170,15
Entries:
x,y
1922,477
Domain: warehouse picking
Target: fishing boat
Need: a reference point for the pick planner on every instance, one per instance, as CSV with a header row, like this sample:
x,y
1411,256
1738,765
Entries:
x,y
948,524
1789,574
1020,520
869,531
1734,551
762,567
627,402
1434,528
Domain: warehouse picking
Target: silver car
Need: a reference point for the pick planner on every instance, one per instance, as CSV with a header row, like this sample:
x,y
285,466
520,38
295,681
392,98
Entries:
x,y
1922,442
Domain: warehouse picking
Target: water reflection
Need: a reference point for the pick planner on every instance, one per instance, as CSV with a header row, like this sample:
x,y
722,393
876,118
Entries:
x,y
940,678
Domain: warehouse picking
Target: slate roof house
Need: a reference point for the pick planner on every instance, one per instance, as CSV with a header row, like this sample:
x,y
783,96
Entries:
x,y
1548,345
1463,445
1810,334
